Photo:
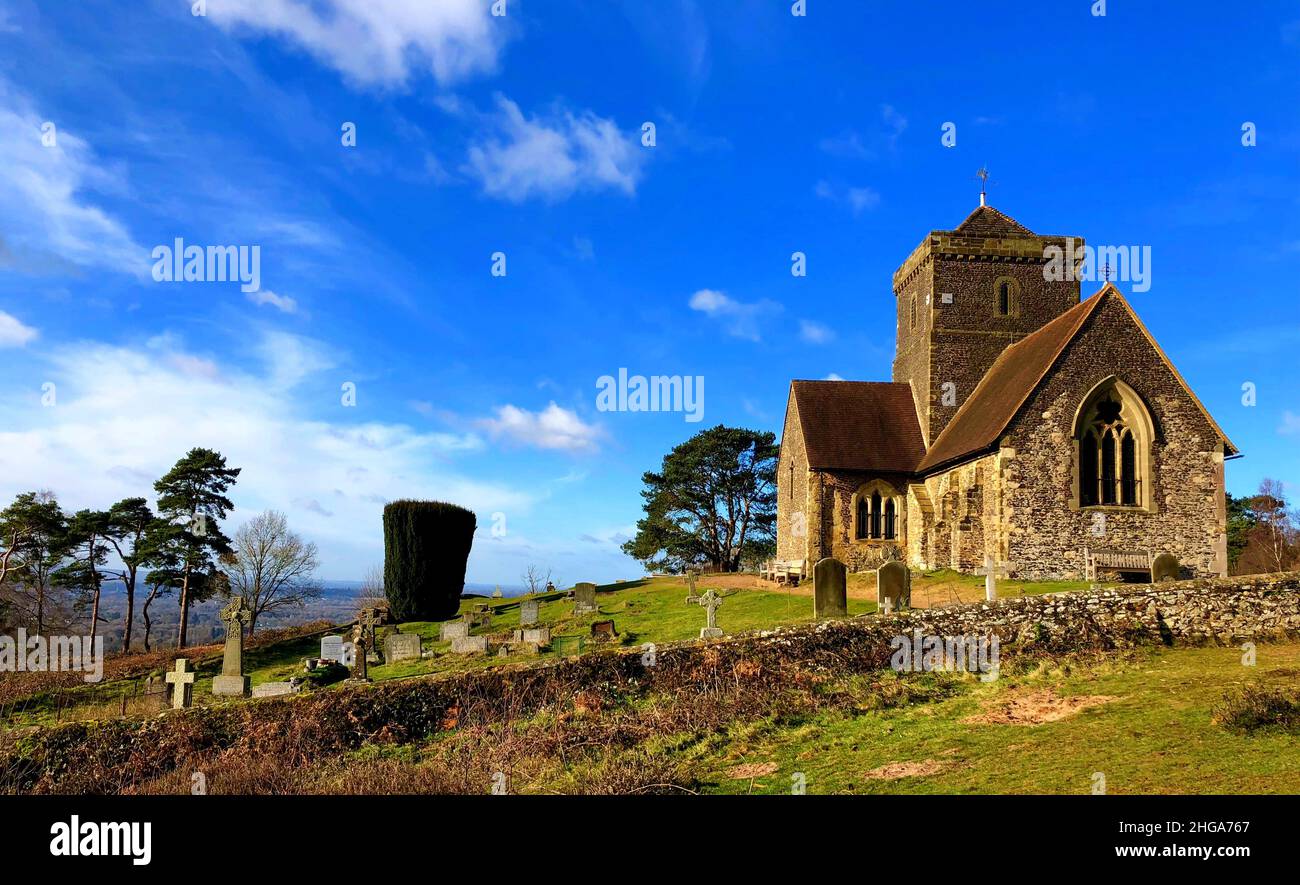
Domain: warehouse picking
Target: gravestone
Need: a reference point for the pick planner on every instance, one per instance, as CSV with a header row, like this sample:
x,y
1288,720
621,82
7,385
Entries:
x,y
603,631
331,648
830,589
480,615
541,636
710,600
401,647
529,612
690,586
469,645
232,682
182,683
452,630
497,594
274,689
584,599
1164,567
893,587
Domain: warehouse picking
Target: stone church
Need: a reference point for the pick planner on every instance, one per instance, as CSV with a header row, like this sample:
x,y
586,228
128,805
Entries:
x,y
1022,424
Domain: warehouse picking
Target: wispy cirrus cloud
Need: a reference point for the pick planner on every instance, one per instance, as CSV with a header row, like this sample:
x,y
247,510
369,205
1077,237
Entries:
x,y
49,221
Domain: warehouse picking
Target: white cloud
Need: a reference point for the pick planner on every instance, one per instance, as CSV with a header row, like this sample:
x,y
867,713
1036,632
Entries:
x,y
815,333
377,42
13,333
857,199
739,319
552,156
1290,425
832,377
126,413
47,222
552,428
282,303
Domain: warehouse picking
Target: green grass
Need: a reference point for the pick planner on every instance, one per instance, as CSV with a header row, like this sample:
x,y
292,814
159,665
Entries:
x,y
649,610
1156,736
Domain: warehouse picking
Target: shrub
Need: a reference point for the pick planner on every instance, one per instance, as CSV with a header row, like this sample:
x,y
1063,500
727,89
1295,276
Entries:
x,y
1255,708
426,549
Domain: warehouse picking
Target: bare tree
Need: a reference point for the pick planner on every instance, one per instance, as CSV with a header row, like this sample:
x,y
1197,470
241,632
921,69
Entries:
x,y
1275,529
271,567
371,592
535,579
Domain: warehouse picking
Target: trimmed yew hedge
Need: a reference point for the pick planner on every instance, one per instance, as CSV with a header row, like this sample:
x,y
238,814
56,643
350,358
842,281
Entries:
x,y
426,550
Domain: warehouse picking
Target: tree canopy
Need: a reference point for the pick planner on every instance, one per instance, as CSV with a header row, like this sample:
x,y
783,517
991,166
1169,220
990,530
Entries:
x,y
712,503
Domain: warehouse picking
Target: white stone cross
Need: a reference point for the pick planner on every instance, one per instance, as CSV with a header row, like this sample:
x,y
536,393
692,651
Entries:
x,y
710,600
182,680
991,572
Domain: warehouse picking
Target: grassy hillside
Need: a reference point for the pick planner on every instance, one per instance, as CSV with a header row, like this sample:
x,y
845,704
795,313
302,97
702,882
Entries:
x,y
650,610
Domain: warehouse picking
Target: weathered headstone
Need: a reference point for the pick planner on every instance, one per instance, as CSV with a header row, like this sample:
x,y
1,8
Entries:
x,y
538,635
893,587
370,619
603,631
401,647
529,612
469,645
452,630
1164,567
830,589
584,599
331,648
182,683
232,682
710,601
274,689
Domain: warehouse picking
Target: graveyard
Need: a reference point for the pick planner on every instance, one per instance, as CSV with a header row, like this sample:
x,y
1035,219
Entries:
x,y
708,684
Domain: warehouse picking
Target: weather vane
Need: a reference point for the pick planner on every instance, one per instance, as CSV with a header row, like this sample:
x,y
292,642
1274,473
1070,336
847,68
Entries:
x,y
983,176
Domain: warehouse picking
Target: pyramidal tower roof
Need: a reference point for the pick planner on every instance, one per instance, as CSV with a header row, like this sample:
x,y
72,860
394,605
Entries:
x,y
986,221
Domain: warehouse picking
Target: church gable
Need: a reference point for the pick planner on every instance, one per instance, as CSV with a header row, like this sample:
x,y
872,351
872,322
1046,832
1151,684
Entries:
x,y
1023,367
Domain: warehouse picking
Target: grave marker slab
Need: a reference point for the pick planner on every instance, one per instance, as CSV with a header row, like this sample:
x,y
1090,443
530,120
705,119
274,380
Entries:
x,y
401,647
452,630
584,599
830,589
469,645
331,648
529,612
893,587
232,682
274,689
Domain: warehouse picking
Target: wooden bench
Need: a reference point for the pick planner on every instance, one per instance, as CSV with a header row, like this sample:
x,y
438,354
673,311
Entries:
x,y
783,570
1135,561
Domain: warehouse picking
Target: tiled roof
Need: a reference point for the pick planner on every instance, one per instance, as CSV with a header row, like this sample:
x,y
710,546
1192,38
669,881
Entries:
x,y
989,222
1006,385
859,425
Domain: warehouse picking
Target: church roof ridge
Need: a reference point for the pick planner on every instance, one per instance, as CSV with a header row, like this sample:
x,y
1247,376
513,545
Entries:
x,y
986,221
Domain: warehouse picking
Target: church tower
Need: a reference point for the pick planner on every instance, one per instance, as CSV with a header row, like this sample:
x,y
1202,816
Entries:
x,y
963,295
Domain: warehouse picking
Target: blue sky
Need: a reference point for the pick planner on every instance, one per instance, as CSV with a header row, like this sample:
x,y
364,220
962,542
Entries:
x,y
522,134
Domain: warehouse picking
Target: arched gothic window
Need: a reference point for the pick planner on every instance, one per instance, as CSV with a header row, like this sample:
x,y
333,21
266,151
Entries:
x,y
875,513
1115,434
